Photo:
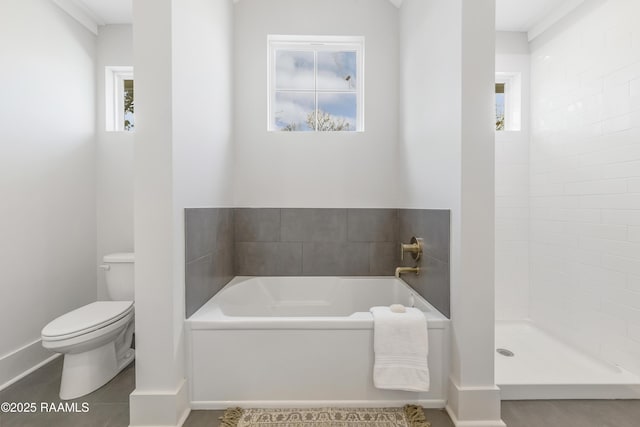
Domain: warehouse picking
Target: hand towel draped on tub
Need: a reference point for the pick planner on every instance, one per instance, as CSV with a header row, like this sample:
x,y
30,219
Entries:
x,y
401,346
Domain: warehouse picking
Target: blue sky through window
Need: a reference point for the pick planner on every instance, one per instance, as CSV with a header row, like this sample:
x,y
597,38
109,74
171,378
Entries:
x,y
336,70
307,82
292,110
499,104
340,105
295,70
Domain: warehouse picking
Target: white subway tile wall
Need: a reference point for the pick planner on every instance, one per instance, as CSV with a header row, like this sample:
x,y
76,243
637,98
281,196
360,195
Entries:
x,y
512,203
512,225
584,232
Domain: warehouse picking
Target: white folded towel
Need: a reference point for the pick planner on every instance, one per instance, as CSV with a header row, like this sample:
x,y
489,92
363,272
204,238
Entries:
x,y
401,346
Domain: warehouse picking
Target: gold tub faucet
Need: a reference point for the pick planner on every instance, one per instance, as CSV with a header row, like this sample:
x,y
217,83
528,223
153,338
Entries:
x,y
402,270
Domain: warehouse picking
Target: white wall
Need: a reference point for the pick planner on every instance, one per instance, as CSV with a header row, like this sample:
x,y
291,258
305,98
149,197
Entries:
x,y
183,158
447,158
512,189
158,353
585,181
47,181
203,100
429,150
316,169
114,155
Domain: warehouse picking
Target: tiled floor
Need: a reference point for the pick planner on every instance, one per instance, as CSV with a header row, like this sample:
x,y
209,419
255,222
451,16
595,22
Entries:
x,y
571,413
109,407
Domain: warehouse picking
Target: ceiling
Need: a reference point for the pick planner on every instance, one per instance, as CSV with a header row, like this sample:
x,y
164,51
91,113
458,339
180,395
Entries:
x,y
525,15
511,15
106,12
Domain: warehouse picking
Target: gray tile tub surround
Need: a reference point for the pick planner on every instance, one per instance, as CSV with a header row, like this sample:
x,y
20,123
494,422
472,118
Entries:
x,y
223,243
209,254
257,225
315,242
433,283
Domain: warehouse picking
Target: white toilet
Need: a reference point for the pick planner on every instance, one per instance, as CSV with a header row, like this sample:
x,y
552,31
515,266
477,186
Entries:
x,y
96,339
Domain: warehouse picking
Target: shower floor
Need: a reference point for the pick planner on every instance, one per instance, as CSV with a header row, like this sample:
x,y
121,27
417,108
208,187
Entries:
x,y
543,367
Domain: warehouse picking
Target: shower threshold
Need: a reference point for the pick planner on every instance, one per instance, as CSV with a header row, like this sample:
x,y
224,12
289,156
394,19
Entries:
x,y
543,367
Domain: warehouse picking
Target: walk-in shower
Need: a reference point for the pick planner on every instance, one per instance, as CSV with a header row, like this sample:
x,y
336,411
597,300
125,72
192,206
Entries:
x,y
568,208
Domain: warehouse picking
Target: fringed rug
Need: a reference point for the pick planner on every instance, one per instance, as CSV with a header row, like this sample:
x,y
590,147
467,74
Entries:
x,y
409,416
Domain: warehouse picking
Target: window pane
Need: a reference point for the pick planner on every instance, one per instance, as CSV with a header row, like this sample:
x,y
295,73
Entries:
x,y
500,106
294,70
337,111
294,111
337,71
129,122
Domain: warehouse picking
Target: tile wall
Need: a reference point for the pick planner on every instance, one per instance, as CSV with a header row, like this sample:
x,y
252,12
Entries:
x,y
209,263
585,182
311,242
512,192
433,226
316,242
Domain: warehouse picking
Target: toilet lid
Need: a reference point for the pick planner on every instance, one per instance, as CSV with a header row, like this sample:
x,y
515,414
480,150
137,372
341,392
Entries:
x,y
88,318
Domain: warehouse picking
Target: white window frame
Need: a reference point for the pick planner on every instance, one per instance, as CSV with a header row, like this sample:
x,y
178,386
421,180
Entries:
x,y
315,44
114,97
512,100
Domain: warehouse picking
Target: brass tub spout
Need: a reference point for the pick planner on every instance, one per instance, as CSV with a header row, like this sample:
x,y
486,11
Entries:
x,y
402,270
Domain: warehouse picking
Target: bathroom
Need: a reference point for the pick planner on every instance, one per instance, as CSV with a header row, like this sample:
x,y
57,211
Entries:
x,y
425,153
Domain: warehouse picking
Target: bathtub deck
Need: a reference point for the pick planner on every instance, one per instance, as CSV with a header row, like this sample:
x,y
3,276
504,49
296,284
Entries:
x,y
546,368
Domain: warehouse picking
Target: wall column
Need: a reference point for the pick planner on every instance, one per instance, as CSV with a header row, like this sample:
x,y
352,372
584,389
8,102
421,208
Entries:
x,y
160,398
474,400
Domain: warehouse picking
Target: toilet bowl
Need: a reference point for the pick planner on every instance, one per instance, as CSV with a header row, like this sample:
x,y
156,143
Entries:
x,y
96,338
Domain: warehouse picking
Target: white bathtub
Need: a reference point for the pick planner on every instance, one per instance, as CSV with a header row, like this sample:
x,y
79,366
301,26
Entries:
x,y
302,342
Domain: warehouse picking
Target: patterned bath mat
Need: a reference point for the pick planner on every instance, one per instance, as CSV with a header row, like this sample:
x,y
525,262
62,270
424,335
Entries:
x,y
409,416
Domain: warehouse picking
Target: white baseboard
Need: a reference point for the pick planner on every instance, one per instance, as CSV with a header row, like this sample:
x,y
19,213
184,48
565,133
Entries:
x,y
159,409
458,423
21,362
219,405
569,391
474,406
472,423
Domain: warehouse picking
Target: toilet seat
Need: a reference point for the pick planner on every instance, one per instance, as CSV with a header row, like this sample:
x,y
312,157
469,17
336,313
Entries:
x,y
86,319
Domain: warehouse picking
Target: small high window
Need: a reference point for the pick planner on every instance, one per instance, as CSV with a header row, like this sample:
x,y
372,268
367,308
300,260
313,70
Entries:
x,y
119,99
508,102
500,106
316,84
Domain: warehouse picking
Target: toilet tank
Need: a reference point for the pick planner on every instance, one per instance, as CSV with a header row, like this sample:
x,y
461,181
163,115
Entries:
x,y
118,273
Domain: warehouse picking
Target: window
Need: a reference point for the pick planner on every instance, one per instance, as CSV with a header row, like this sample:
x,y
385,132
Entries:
x,y
129,121
120,99
499,106
316,84
508,102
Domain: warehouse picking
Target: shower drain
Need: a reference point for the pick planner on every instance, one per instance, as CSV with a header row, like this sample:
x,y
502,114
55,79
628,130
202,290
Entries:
x,y
505,352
